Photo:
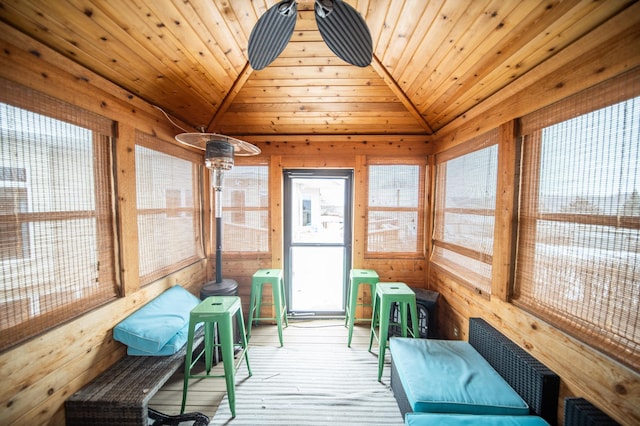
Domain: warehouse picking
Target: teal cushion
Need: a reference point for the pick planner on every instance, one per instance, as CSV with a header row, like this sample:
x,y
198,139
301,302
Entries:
x,y
173,345
443,376
152,326
420,419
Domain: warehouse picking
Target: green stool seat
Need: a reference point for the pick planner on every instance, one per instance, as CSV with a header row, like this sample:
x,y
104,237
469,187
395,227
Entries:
x,y
218,310
358,277
386,295
273,277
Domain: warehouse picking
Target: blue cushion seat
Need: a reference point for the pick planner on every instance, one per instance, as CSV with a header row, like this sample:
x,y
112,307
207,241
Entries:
x,y
171,347
160,326
424,419
443,376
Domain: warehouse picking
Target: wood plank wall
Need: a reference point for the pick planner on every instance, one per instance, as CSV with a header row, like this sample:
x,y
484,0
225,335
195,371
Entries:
x,y
40,374
609,51
330,153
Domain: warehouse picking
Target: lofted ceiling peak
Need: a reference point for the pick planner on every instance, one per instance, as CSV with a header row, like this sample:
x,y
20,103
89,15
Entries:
x,y
433,61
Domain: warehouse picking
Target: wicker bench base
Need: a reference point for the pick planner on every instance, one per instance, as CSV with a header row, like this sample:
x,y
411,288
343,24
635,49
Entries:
x,y
120,395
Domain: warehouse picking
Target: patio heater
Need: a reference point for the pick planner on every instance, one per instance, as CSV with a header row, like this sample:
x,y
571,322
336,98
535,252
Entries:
x,y
219,153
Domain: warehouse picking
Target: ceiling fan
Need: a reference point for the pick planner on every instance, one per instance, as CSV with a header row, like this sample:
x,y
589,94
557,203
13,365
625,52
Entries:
x,y
341,26
219,153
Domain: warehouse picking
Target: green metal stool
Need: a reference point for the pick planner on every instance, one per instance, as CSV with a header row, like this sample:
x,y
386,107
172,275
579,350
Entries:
x,y
220,310
358,277
274,277
386,295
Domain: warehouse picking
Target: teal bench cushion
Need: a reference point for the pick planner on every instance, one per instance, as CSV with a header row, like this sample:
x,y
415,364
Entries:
x,y
443,376
152,326
431,419
171,347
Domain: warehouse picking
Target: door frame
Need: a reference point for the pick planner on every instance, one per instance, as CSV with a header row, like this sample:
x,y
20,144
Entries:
x,y
338,173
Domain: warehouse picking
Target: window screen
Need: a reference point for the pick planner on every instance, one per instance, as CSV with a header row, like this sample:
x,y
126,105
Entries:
x,y
245,209
395,209
169,209
465,212
56,224
579,231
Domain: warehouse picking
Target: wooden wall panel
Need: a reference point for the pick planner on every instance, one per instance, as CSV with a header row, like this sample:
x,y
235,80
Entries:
x,y
38,375
609,51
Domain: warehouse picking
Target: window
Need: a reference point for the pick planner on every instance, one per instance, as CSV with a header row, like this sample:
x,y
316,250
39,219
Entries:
x,y
57,252
395,211
465,211
245,209
169,215
579,230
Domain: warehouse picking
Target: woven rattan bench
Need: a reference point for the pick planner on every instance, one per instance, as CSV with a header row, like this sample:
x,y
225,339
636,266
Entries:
x,y
536,384
120,396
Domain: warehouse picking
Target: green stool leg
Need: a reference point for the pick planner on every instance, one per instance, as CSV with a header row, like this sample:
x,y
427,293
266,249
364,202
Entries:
x,y
254,306
350,317
225,331
375,317
284,303
348,307
385,312
245,341
187,364
276,288
209,342
414,319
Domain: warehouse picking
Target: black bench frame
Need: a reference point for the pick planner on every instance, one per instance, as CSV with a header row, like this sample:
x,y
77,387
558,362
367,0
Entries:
x,y
538,386
580,412
121,394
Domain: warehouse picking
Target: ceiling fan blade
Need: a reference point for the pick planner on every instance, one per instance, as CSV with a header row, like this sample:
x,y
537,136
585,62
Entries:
x,y
271,34
345,31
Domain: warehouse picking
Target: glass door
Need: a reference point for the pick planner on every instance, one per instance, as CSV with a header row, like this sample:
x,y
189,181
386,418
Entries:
x,y
317,221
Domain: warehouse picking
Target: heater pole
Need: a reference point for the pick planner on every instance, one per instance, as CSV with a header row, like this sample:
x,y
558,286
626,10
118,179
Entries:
x,y
218,207
218,250
219,153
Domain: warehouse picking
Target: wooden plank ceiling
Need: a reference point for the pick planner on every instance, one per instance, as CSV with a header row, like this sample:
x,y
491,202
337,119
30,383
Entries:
x,y
433,60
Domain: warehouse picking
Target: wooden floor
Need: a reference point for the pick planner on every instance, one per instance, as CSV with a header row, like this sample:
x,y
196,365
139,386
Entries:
x,y
204,396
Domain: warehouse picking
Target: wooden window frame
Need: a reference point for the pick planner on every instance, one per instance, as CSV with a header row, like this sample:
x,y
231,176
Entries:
x,y
584,328
229,210
65,301
420,249
480,284
175,212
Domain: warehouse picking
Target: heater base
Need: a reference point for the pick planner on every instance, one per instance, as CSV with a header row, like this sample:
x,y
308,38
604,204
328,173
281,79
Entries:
x,y
227,287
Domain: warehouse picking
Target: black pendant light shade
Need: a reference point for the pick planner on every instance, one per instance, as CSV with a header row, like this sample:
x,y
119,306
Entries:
x,y
342,28
271,34
345,31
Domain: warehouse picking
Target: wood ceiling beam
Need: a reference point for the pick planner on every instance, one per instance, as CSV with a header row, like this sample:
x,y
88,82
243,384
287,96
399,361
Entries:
x,y
238,84
397,90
